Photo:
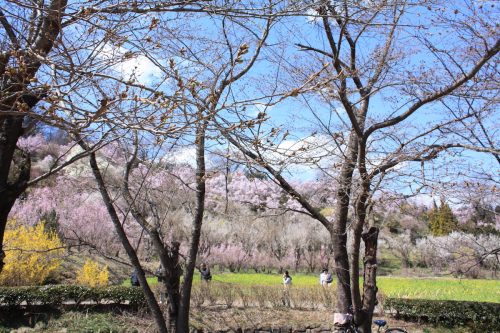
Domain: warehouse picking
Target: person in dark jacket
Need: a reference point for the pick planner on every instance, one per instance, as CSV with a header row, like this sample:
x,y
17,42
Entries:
x,y
205,273
134,279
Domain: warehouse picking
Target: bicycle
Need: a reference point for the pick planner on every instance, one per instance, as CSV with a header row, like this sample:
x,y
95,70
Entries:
x,y
381,323
351,328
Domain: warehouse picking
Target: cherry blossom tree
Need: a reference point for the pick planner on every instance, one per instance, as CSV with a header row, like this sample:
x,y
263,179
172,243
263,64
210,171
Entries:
x,y
383,71
55,61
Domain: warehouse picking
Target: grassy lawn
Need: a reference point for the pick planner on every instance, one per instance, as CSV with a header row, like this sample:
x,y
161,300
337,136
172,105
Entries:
x,y
420,288
441,289
428,288
152,280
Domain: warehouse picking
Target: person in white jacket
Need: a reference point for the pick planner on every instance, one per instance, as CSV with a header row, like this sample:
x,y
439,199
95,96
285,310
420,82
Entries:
x,y
287,281
325,278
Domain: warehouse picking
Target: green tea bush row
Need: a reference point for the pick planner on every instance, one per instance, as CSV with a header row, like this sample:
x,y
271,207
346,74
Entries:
x,y
58,294
229,295
215,293
479,316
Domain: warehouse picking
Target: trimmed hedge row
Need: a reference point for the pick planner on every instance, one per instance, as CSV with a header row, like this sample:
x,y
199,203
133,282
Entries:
x,y
58,294
479,316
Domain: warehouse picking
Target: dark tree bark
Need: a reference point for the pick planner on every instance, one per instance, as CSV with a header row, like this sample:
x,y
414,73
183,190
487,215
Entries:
x,y
172,284
196,230
370,238
15,164
339,233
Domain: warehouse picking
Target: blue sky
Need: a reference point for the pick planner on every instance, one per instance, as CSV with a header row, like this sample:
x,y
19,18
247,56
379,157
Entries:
x,y
293,114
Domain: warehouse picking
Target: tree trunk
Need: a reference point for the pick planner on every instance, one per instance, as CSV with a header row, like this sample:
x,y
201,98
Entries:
x,y
297,258
354,268
129,249
14,181
358,230
363,309
169,255
339,241
339,233
196,231
370,238
15,166
172,282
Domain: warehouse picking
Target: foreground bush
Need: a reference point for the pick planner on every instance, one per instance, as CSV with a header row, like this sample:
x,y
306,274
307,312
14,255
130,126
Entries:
x,y
32,254
58,294
481,317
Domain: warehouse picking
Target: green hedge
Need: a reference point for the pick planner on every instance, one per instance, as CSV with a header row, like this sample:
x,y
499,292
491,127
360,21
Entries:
x,y
479,316
58,294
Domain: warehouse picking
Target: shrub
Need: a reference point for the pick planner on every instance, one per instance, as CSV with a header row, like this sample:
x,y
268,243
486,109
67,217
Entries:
x,y
306,297
228,296
90,322
197,296
32,254
259,295
212,293
93,275
245,297
276,297
328,297
57,294
479,316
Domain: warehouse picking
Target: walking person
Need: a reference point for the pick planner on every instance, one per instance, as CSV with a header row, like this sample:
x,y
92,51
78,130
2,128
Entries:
x,y
287,282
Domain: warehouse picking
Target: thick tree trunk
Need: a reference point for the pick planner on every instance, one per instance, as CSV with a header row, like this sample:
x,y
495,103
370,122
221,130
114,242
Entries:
x,y
363,308
358,226
354,268
15,166
370,238
6,203
339,232
339,241
172,282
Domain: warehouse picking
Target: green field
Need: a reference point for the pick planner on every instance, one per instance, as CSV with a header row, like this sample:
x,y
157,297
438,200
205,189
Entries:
x,y
428,288
416,288
151,281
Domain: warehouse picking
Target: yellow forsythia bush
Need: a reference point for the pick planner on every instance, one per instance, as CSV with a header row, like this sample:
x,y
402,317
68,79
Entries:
x,y
92,274
32,254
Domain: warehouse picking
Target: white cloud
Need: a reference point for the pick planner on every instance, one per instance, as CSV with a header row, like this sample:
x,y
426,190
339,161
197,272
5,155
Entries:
x,y
182,156
303,156
131,65
312,16
300,157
